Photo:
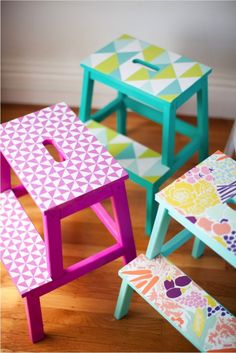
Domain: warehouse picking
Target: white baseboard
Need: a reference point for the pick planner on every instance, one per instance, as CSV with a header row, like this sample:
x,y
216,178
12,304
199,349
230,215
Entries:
x,y
45,84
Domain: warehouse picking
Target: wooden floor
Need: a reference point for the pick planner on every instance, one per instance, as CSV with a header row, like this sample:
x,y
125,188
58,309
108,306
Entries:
x,y
78,317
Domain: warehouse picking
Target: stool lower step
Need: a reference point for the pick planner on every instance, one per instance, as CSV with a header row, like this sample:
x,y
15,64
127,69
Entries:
x,y
136,158
191,310
22,249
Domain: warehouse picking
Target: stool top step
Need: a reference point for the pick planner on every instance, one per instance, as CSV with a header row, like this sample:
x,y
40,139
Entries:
x,y
136,158
86,165
22,249
149,68
201,196
191,310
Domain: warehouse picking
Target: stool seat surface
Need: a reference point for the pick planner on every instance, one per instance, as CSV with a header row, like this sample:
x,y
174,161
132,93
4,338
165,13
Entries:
x,y
22,249
191,310
149,68
133,156
202,196
86,164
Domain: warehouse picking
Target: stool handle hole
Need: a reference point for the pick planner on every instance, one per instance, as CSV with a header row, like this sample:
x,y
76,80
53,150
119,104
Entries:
x,y
146,64
54,150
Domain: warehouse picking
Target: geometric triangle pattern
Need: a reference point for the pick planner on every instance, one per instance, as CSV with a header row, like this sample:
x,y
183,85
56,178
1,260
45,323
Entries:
x,y
189,308
22,250
124,60
201,196
133,156
86,164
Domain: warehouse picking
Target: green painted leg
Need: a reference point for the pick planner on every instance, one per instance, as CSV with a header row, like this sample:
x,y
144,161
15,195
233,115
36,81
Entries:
x,y
151,208
123,301
168,136
158,232
86,97
121,116
202,119
198,248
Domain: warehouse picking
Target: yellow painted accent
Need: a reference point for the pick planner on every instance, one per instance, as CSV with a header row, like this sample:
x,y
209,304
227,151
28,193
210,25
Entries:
x,y
194,71
152,179
108,65
211,301
125,36
139,75
151,52
198,322
168,97
220,240
168,72
149,153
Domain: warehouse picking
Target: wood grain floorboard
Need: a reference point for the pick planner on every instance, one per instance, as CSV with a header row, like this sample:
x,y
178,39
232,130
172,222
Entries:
x,y
78,317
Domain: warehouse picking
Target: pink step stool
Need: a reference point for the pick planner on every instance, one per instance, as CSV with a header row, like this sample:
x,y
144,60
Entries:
x,y
85,175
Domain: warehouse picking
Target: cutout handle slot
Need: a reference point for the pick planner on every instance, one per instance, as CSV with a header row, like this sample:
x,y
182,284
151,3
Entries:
x,y
146,64
54,150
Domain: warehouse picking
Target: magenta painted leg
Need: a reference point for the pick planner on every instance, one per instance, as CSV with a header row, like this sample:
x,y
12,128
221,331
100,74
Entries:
x,y
53,241
122,218
34,317
5,174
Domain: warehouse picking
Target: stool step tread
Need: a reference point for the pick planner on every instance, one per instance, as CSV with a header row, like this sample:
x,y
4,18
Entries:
x,y
191,310
133,156
22,249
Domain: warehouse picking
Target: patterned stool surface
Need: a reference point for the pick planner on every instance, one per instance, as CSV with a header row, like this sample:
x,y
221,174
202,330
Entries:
x,y
22,250
135,157
86,164
149,68
201,196
191,310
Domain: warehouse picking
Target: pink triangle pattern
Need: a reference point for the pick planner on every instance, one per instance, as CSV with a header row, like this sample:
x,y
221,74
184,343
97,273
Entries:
x,y
87,165
22,250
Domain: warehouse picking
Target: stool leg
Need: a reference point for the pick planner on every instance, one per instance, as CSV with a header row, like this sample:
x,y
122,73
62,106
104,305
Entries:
x,y
158,232
122,218
123,301
202,119
121,116
5,174
168,136
198,248
151,208
34,317
86,97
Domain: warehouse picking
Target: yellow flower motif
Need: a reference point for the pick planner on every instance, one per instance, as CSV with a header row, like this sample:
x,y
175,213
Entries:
x,y
193,199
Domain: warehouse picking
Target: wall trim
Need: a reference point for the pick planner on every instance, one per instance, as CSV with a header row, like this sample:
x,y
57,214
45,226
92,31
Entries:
x,y
47,83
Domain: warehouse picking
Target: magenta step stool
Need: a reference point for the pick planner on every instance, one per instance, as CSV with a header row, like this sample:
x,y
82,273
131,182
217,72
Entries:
x,y
85,175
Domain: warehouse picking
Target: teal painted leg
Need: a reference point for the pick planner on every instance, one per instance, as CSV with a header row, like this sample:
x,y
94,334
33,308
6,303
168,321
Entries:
x,y
151,208
198,248
158,232
123,301
86,97
121,116
202,119
168,135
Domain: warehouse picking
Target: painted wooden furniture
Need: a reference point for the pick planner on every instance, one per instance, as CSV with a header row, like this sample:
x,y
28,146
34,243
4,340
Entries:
x,y
199,202
153,82
85,175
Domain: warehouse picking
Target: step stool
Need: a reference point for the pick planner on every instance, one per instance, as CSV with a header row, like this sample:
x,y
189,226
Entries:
x,y
85,176
153,82
198,201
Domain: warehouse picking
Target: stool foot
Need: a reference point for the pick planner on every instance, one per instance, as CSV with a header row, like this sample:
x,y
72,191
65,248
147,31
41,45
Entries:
x,y
123,301
198,248
34,317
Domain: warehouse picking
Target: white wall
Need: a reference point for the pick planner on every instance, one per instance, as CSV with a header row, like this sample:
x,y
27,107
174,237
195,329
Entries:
x,y
43,43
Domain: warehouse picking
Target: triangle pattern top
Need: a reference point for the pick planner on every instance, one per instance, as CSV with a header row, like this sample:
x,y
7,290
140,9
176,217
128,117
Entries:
x,y
120,62
51,183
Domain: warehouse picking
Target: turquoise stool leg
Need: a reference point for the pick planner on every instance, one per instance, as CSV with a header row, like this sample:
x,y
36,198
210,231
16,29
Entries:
x,y
121,115
158,232
151,207
198,248
202,120
86,98
123,302
168,136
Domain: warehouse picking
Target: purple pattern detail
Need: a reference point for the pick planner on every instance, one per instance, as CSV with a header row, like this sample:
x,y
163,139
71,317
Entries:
x,y
87,165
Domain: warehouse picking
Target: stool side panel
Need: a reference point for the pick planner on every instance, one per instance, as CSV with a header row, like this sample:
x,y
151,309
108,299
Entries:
x,y
196,315
23,251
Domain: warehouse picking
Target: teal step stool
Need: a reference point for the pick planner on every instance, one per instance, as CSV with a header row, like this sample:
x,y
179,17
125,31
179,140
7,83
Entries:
x,y
199,202
153,82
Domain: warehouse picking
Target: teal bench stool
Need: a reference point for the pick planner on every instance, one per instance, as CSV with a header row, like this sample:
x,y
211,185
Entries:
x,y
199,202
153,82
